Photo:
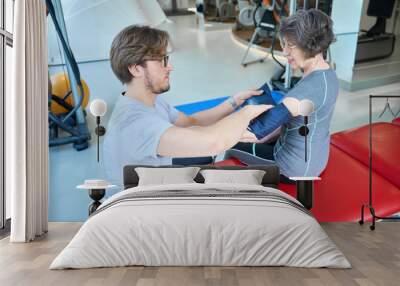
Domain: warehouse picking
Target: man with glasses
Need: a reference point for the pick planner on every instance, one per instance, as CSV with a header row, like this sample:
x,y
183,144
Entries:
x,y
144,128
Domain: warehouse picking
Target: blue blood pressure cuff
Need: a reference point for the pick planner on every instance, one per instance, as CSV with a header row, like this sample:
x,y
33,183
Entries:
x,y
268,121
267,97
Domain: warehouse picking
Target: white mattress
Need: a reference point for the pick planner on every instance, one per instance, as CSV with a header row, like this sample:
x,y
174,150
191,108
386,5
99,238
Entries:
x,y
190,230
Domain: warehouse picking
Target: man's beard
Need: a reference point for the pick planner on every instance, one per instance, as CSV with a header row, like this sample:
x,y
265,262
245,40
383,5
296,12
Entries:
x,y
153,87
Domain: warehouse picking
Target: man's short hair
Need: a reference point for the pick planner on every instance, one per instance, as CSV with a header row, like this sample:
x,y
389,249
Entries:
x,y
134,44
310,30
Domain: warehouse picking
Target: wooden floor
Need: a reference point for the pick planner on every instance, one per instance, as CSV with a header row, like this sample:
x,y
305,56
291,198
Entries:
x,y
375,257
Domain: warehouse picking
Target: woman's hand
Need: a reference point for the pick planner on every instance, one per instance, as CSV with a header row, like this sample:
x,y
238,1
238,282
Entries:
x,y
240,97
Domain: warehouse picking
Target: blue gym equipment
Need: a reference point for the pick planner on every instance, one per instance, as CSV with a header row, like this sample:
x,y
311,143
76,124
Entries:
x,y
72,122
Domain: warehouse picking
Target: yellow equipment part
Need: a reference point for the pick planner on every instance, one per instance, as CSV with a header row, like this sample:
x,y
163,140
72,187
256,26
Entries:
x,y
60,88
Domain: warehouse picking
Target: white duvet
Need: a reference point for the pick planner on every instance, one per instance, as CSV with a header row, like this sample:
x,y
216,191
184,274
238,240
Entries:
x,y
183,231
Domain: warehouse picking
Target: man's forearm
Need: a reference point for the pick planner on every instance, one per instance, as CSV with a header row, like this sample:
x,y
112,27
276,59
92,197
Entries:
x,y
230,128
207,140
210,116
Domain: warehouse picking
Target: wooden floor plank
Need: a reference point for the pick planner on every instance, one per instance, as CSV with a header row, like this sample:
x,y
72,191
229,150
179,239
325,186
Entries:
x,y
375,257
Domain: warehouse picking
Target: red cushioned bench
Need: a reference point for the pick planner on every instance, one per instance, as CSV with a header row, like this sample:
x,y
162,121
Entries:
x,y
385,148
344,185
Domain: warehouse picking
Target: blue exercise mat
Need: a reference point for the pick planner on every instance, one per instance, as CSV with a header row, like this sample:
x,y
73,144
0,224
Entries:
x,y
267,97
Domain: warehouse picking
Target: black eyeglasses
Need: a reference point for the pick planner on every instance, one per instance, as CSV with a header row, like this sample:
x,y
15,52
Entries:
x,y
164,59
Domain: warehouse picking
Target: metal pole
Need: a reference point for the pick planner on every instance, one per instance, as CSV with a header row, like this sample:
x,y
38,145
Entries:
x,y
73,82
396,15
98,138
370,151
305,137
288,71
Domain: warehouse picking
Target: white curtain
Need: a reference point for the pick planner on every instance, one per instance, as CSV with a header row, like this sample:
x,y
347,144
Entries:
x,y
26,123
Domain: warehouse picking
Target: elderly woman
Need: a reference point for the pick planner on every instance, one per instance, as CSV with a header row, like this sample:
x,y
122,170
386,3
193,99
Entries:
x,y
305,38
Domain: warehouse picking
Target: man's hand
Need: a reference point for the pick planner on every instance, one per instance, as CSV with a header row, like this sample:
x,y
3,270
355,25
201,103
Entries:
x,y
253,111
240,97
248,137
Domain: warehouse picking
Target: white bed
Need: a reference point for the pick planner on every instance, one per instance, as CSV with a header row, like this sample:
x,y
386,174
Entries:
x,y
201,224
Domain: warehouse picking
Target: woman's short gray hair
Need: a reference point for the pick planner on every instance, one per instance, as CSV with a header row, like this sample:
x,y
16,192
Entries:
x,y
310,30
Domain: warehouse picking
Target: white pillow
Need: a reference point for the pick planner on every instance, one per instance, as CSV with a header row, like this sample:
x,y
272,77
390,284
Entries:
x,y
163,176
248,177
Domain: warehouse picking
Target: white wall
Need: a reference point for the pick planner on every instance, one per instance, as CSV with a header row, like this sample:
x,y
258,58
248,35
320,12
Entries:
x,y
346,16
92,25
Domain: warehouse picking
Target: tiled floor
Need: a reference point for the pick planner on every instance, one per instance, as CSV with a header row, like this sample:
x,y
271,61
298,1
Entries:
x,y
206,65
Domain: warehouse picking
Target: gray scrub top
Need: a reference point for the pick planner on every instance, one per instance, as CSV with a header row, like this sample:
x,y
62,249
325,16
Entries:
x,y
133,134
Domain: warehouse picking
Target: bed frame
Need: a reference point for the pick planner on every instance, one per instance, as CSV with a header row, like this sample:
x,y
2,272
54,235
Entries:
x,y
270,179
